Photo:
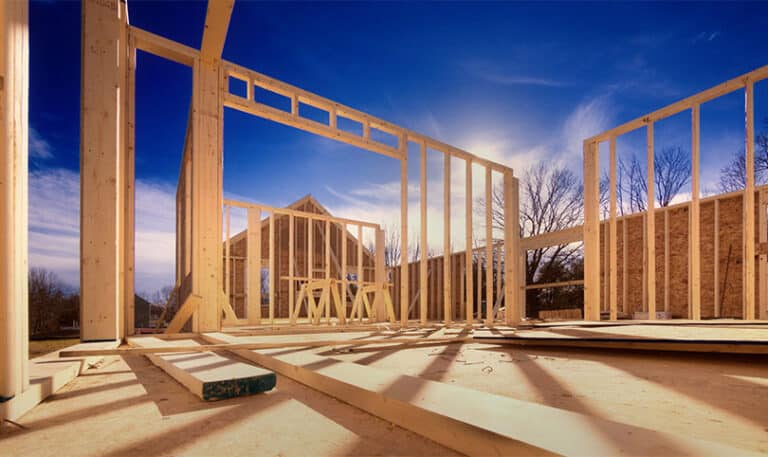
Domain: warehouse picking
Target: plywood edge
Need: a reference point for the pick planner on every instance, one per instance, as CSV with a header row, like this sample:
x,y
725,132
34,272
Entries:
x,y
208,375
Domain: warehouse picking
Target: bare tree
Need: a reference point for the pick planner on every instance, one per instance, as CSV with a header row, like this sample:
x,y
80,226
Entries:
x,y
733,176
46,297
392,249
671,172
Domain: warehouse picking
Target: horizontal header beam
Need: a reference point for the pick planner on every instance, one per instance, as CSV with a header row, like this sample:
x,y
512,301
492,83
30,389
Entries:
x,y
185,55
297,213
684,104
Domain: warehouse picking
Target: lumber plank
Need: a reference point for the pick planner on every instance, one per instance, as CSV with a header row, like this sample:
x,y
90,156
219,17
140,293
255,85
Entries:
x,y
486,424
208,375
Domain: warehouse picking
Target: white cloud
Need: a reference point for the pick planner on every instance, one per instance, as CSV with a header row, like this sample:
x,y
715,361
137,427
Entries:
x,y
39,148
54,224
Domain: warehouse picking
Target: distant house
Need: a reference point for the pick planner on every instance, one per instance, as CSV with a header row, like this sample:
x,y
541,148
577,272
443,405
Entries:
x,y
238,260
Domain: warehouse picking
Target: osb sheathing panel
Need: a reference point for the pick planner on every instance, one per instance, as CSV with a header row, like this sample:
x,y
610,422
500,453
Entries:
x,y
730,260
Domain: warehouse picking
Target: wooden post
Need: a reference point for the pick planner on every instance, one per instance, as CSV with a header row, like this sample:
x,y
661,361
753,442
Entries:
x,y
694,239
650,228
717,257
14,107
102,163
291,267
749,205
227,257
666,259
272,273
612,243
310,248
344,280
360,272
380,274
591,233
423,279
625,266
254,266
327,262
513,275
129,193
763,258
447,296
488,246
468,259
404,278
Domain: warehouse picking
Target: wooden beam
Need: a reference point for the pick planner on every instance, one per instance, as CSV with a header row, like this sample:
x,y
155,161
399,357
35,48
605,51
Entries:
x,y
613,266
716,237
291,266
216,26
254,266
749,204
404,295
327,262
380,277
145,345
272,272
591,232
687,103
129,191
762,274
360,274
14,139
468,241
488,247
227,256
423,279
513,275
625,266
299,213
208,375
344,280
447,295
163,47
104,73
666,261
694,239
650,226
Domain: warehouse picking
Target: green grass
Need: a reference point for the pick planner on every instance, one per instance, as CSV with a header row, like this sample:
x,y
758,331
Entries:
x,y
42,347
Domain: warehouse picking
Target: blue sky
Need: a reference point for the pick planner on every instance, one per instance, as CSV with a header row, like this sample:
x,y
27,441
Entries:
x,y
514,82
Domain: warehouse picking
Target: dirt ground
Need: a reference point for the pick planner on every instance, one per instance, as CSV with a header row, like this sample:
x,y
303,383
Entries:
x,y
129,407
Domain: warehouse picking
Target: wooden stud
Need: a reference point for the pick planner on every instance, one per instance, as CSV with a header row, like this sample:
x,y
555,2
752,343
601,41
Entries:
x,y
423,258
344,280
129,191
694,238
327,262
254,266
644,279
488,247
227,256
716,262
291,267
612,242
468,240
762,274
513,274
404,295
666,260
591,233
380,304
272,272
14,139
447,295
650,227
360,274
625,266
749,205
104,72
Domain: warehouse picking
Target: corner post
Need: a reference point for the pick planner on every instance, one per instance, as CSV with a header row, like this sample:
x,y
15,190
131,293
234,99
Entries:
x,y
591,233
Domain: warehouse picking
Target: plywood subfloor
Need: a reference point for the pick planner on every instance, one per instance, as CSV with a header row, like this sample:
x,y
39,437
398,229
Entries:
x,y
130,407
723,398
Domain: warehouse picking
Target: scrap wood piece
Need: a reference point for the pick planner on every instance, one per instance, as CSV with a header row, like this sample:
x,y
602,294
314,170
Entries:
x,y
481,423
151,345
208,375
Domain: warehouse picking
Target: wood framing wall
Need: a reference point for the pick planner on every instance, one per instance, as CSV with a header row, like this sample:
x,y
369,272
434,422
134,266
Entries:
x,y
721,262
592,253
239,260
14,133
